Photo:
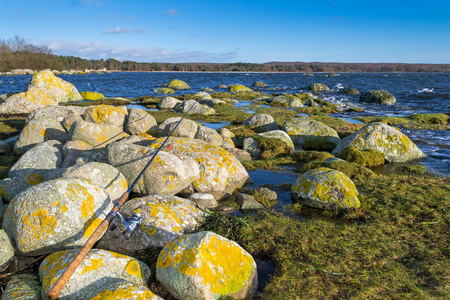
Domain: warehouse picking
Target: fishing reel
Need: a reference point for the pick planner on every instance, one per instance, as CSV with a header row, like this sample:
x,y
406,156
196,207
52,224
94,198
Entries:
x,y
128,226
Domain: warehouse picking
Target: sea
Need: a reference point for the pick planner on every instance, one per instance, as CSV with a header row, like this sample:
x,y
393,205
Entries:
x,y
415,93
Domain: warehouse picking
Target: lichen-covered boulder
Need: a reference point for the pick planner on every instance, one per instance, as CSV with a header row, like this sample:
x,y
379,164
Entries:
x,y
168,103
317,87
26,102
285,101
187,128
164,91
203,95
97,271
239,88
204,200
40,130
139,121
56,112
178,85
211,102
23,287
261,123
311,134
205,265
102,175
122,289
240,154
395,146
106,115
259,84
6,249
10,187
71,151
311,103
220,172
168,174
325,188
377,96
164,218
208,135
197,108
91,95
280,135
60,90
251,146
97,135
55,215
351,91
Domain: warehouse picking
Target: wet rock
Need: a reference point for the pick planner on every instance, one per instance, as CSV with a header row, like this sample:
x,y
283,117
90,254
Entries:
x,y
325,188
139,121
168,174
351,92
239,88
196,109
317,87
164,218
6,249
204,200
106,115
168,103
97,271
205,265
164,91
91,95
395,146
187,128
377,96
23,287
261,123
259,84
208,135
178,85
97,135
55,215
71,151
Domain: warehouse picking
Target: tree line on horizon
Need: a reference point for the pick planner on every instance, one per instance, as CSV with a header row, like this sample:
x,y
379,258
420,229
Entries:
x,y
15,53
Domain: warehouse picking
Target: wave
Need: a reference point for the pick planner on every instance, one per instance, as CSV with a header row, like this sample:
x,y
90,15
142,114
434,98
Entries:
x,y
338,87
426,90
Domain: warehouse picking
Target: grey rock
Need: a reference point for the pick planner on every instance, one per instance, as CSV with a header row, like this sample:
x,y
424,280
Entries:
x,y
139,121
204,200
261,122
6,250
23,287
377,96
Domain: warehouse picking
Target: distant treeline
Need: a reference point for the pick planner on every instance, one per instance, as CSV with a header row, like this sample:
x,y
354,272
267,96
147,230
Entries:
x,y
15,53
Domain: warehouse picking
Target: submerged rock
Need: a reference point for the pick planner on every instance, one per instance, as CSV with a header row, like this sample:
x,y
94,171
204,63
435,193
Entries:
x,y
317,87
378,96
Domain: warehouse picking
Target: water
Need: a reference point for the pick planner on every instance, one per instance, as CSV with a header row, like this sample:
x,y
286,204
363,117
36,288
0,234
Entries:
x,y
415,93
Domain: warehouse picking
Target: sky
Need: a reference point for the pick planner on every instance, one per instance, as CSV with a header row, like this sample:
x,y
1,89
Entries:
x,y
216,31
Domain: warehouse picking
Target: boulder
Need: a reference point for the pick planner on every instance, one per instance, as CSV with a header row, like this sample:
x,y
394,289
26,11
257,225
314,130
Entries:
x,y
71,151
40,130
69,120
212,102
56,112
280,135
351,91
311,134
26,102
205,265
168,174
208,135
97,271
259,84
326,189
60,90
317,87
94,155
261,123
311,103
204,200
240,154
202,95
196,109
168,103
178,85
164,91
187,128
10,187
395,146
123,289
23,287
140,121
91,95
251,145
106,115
247,202
220,172
239,88
5,148
284,101
377,96
6,249
97,135
55,215
164,218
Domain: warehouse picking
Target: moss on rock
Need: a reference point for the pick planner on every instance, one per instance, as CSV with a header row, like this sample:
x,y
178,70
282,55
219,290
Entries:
x,y
365,158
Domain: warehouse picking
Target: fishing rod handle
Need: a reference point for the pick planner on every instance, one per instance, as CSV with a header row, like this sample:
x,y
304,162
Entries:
x,y
53,293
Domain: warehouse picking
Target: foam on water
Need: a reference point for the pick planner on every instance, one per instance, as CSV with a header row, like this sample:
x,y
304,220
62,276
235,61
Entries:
x,y
426,90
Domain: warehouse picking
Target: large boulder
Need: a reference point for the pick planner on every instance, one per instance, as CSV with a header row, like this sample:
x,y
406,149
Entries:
x,y
168,103
285,101
280,135
164,218
239,88
164,91
60,90
122,289
91,95
205,265
106,115
26,102
97,271
197,108
6,250
311,134
209,135
56,112
139,121
71,151
325,188
168,174
377,96
187,128
178,85
395,146
55,215
97,135
261,123
220,172
23,287
259,84
35,162
317,87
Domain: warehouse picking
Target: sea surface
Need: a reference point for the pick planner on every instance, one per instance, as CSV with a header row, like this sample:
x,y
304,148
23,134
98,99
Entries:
x,y
415,93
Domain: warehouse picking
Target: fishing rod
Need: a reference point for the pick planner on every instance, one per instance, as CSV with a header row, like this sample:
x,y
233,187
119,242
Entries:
x,y
125,226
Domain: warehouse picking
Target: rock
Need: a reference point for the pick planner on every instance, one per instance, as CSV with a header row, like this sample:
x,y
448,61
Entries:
x,y
97,271
239,88
5,148
10,187
178,85
317,87
261,123
139,121
325,188
311,134
6,249
106,115
91,95
395,146
56,112
26,102
68,121
204,200
377,96
23,287
197,109
40,130
168,174
240,154
207,89
55,215
71,151
123,289
187,128
164,218
259,84
311,103
251,146
222,86
60,90
202,96
205,265
351,92
97,135
212,102
168,103
94,155
283,100
220,172
247,202
164,91
101,175
208,135
280,135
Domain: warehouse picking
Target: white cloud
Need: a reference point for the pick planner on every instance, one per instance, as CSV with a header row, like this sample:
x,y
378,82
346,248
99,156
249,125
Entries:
x,y
172,12
119,30
97,50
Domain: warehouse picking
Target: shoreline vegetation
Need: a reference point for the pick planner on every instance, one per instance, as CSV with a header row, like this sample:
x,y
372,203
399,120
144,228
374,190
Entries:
x,y
16,53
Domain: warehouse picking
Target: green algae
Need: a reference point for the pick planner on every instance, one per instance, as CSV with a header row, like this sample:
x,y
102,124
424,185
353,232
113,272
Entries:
x,y
415,121
365,158
272,147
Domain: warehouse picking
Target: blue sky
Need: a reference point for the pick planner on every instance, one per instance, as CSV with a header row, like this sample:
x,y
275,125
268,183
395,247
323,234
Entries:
x,y
235,31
